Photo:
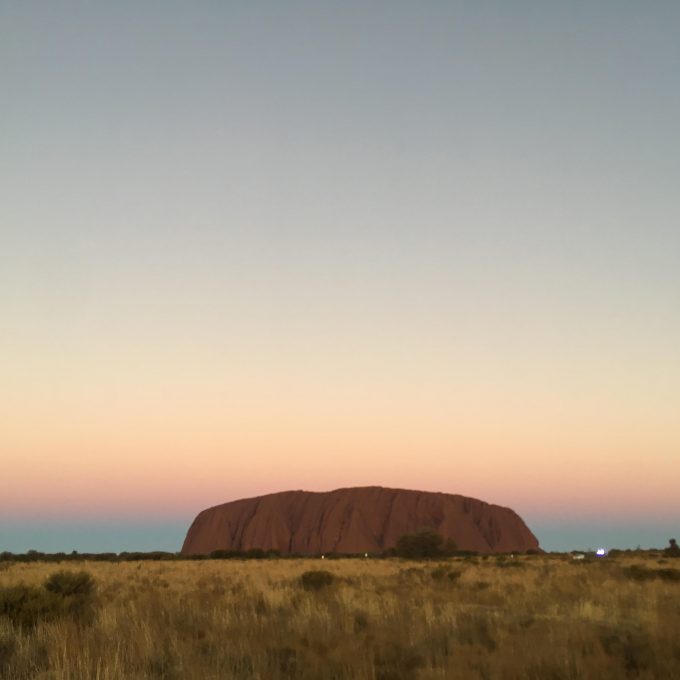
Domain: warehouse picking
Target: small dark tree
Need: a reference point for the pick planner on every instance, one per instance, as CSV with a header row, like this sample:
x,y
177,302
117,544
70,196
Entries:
x,y
673,549
422,545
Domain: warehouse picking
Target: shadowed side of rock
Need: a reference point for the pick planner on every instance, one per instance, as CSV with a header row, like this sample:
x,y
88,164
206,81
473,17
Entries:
x,y
354,520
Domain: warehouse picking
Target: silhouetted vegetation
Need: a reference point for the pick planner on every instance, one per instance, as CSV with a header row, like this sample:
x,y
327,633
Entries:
x,y
37,556
424,544
673,549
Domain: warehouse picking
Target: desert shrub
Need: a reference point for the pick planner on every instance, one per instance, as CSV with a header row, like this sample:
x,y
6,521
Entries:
x,y
8,645
673,549
225,554
668,574
316,579
252,554
26,606
64,594
631,647
439,573
509,564
70,584
361,621
393,661
638,573
475,628
423,544
77,592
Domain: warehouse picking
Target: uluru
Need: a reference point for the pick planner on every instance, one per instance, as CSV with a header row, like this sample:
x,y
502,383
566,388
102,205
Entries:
x,y
355,520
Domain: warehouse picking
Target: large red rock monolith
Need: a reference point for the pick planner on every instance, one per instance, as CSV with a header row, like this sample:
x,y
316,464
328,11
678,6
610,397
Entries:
x,y
354,520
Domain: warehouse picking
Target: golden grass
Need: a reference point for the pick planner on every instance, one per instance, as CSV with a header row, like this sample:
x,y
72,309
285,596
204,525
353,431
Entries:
x,y
533,617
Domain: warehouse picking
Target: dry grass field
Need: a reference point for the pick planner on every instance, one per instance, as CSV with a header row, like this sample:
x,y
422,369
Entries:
x,y
534,617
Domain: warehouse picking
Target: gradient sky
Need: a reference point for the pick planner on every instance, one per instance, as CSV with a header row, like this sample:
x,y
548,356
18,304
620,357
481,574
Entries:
x,y
254,246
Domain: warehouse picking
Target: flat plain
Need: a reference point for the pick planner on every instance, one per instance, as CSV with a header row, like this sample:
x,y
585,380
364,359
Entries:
x,y
538,617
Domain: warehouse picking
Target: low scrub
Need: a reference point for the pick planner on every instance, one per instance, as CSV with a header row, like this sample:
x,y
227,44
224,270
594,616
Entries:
x,y
442,573
316,579
638,573
70,584
673,549
62,595
424,544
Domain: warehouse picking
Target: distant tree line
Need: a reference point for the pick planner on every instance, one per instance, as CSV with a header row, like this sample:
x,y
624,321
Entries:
x,y
38,556
420,545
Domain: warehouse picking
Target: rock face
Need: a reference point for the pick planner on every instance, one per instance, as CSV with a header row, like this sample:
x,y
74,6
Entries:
x,y
355,520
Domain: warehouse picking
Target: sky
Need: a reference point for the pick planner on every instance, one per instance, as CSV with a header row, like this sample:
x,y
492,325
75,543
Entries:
x,y
255,246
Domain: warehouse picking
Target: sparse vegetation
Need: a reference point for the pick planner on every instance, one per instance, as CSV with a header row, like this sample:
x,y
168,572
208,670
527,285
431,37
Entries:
x,y
62,595
673,549
450,619
70,584
424,544
316,579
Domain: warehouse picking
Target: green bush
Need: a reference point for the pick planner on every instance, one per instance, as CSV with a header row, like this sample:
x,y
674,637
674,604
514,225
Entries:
x,y
316,579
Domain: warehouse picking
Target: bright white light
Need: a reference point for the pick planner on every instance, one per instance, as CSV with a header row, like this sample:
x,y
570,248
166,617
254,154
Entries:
x,y
600,552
